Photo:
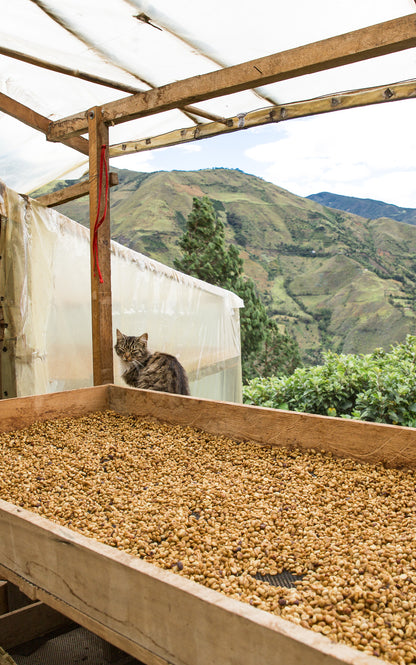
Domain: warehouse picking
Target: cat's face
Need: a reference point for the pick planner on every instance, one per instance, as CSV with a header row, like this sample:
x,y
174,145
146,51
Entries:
x,y
130,348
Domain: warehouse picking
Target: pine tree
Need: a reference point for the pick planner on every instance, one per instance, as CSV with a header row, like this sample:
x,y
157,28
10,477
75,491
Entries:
x,y
206,257
203,244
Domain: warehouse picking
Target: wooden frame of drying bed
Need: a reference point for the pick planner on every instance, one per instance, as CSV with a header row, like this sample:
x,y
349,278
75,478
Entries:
x,y
153,614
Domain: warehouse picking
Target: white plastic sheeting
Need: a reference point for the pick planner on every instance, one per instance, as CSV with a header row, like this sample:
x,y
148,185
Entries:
x,y
176,40
45,291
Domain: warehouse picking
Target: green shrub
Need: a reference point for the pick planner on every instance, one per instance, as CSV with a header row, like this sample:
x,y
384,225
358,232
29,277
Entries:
x,y
378,387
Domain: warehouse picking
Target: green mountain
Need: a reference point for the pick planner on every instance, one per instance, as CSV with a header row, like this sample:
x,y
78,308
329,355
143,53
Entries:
x,y
365,207
330,278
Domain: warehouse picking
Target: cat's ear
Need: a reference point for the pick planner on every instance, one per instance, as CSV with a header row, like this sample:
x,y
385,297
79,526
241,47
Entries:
x,y
119,335
144,337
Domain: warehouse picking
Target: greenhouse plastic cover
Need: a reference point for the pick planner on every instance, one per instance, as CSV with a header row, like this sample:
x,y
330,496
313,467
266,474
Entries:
x,y
141,44
45,291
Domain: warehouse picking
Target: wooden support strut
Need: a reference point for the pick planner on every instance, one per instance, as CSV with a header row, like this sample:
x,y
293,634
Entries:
x,y
381,39
101,310
329,103
70,193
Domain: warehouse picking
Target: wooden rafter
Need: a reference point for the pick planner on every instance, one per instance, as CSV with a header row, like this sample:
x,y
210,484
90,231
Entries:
x,y
68,71
37,121
204,114
116,85
383,38
327,104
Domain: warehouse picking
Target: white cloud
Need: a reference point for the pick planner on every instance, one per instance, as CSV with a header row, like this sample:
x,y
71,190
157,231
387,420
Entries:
x,y
191,147
139,161
367,152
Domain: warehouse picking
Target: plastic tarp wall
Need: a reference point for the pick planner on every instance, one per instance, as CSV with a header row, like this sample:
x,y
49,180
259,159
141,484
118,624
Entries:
x,y
45,297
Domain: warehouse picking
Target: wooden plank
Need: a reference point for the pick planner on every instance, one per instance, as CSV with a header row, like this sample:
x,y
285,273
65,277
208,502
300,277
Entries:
x,y
62,69
37,121
71,193
204,114
101,308
30,622
388,37
85,620
278,113
151,613
20,412
362,441
117,85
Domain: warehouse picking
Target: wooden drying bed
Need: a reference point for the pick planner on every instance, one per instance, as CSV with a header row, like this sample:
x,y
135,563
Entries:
x,y
153,614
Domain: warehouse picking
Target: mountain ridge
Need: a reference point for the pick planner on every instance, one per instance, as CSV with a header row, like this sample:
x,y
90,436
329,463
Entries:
x,y
371,208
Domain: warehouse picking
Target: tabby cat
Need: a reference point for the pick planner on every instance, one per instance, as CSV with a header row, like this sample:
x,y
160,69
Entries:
x,y
152,371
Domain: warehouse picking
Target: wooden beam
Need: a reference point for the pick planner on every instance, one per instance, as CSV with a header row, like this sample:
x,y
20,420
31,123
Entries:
x,y
18,55
30,622
375,443
102,337
204,114
376,40
327,104
37,121
62,69
70,193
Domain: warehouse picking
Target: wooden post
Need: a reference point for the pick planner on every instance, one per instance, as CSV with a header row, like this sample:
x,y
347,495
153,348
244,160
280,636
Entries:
x,y
102,338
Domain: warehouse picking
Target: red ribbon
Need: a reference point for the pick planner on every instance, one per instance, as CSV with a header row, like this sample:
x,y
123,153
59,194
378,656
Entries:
x,y
99,220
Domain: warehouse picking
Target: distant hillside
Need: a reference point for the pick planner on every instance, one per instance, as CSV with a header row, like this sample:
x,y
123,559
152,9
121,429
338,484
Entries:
x,y
329,278
365,207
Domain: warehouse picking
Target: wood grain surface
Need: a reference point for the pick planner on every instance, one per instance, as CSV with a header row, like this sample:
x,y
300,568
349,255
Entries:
x,y
153,614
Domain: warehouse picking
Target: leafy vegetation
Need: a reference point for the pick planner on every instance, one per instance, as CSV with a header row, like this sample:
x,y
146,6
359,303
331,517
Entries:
x,y
378,387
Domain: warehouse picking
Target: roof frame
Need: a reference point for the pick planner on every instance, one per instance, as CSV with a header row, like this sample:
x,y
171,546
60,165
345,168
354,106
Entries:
x,y
190,111
380,39
277,113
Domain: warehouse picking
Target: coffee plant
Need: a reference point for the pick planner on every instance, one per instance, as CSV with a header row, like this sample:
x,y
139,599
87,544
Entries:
x,y
378,387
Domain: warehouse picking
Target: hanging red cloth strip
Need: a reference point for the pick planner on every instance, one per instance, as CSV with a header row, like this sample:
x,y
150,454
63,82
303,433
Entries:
x,y
99,220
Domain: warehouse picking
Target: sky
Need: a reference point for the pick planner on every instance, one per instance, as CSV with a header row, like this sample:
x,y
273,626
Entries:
x,y
366,152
